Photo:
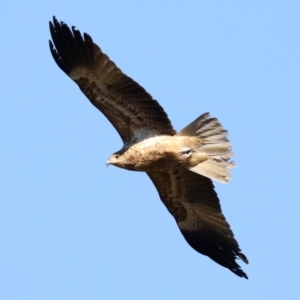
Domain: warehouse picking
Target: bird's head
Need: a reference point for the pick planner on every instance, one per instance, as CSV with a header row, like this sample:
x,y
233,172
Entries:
x,y
117,160
113,159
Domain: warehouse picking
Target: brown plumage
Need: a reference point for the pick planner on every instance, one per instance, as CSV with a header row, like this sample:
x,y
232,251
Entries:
x,y
180,165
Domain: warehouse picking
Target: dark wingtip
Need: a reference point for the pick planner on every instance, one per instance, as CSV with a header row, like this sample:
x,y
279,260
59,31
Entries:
x,y
56,44
68,48
222,250
239,272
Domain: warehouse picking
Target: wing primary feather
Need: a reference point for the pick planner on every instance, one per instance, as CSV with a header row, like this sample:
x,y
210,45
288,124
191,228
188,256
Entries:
x,y
59,53
217,247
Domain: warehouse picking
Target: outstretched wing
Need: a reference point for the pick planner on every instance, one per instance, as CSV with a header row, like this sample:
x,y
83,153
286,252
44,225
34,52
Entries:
x,y
194,204
130,109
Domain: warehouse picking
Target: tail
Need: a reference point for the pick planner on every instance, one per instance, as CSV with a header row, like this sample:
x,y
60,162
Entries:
x,y
214,146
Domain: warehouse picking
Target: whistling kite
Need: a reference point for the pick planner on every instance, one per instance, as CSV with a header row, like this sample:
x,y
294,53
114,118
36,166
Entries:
x,y
181,165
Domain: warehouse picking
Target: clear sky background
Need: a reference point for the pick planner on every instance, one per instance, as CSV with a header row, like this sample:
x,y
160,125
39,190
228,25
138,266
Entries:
x,y
72,228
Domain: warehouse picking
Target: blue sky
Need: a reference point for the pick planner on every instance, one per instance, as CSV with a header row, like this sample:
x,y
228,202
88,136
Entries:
x,y
72,228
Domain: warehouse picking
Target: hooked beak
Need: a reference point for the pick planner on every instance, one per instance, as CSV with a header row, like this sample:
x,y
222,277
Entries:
x,y
111,160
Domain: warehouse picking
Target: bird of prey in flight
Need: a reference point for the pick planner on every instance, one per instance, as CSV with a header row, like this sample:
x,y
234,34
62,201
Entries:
x,y
180,164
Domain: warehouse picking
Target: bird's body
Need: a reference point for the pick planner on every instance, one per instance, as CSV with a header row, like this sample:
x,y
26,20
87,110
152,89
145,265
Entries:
x,y
159,153
181,165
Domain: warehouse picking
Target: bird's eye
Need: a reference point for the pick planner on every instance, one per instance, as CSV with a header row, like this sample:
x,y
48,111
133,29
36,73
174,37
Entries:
x,y
116,155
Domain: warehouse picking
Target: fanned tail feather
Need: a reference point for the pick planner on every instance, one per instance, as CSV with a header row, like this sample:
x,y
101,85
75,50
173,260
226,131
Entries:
x,y
214,146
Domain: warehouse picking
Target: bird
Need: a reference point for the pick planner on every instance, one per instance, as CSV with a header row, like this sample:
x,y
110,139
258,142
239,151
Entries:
x,y
181,164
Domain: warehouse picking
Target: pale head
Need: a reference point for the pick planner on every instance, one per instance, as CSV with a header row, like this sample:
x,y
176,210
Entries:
x,y
118,160
113,160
